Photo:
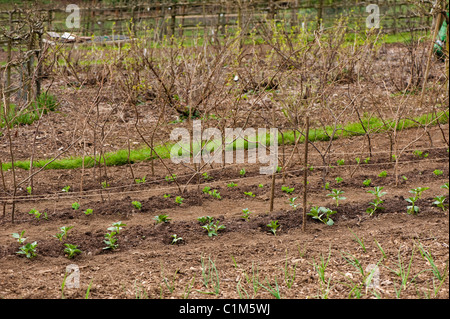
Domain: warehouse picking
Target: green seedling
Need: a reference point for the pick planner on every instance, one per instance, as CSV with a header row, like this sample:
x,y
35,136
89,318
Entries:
x,y
242,172
66,189
105,184
405,178
382,174
162,219
88,211
137,205
171,178
419,154
206,189
167,195
261,186
445,186
339,179
206,176
250,194
63,234
322,214
439,202
367,160
438,172
29,250
116,227
336,195
140,181
111,241
357,160
377,192
213,228
205,219
287,190
340,162
417,192
367,182
273,225
231,185
75,206
35,212
29,190
71,250
215,194
292,203
179,200
327,186
246,214
176,239
279,169
19,237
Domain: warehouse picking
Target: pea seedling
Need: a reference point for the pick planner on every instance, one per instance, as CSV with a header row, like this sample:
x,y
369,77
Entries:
x,y
29,250
105,184
29,190
140,181
206,189
213,228
116,227
242,172
35,212
445,186
176,239
230,185
206,176
413,208
250,194
88,211
339,179
137,205
377,192
336,195
261,186
439,202
179,200
63,233
367,182
170,178
382,174
340,162
205,219
162,219
75,206
322,214
246,214
19,237
66,189
438,172
273,225
111,241
287,190
71,250
291,202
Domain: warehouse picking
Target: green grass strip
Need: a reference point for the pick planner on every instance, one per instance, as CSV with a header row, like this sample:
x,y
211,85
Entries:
x,y
120,157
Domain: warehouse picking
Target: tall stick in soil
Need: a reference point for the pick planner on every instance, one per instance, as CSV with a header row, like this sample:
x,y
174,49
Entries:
x,y
305,175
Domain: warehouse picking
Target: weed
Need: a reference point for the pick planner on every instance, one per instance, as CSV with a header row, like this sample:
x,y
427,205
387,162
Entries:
x,y
360,241
274,291
322,214
71,250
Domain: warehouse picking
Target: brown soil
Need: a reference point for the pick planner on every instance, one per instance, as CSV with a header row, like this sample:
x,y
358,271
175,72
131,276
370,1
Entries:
x,y
146,264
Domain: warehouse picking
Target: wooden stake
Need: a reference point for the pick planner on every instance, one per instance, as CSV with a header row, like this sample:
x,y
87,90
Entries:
x,y
305,174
